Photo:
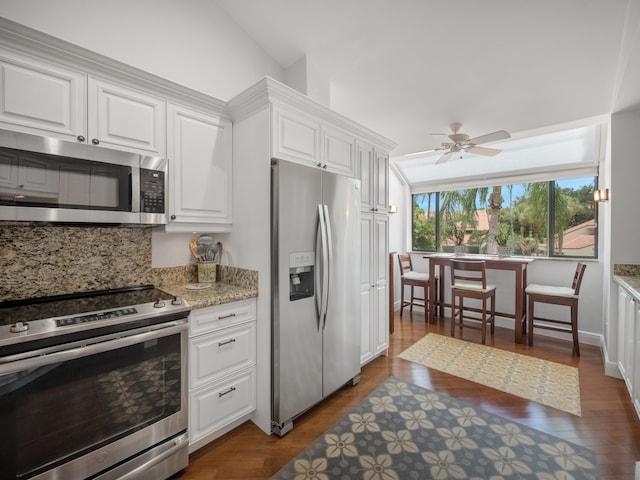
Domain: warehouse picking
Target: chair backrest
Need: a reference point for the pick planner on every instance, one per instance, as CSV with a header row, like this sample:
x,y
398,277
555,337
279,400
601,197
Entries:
x,y
405,263
469,272
577,278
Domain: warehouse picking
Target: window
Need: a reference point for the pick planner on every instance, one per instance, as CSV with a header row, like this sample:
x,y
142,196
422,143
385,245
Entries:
x,y
550,219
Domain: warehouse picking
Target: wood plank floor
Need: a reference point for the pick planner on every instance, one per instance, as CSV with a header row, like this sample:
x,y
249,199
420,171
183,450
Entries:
x,y
608,424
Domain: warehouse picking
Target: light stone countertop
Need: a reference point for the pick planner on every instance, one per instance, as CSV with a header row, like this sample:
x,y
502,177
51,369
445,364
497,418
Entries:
x,y
631,283
217,294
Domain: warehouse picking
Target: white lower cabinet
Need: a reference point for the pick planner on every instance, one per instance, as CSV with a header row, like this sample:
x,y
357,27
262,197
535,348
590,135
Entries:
x,y
222,369
373,290
629,344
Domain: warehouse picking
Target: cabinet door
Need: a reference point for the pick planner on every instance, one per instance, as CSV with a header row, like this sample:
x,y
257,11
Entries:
x,y
374,287
366,288
41,98
366,169
295,137
623,299
200,152
381,185
380,257
126,119
339,151
629,350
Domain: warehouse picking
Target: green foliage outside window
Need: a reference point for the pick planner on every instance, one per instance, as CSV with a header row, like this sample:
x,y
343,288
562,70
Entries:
x,y
537,219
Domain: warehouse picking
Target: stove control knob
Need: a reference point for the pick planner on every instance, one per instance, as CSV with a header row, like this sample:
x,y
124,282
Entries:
x,y
159,304
176,301
19,327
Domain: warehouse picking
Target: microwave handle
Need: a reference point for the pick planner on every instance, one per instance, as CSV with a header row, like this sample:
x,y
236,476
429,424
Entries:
x,y
134,190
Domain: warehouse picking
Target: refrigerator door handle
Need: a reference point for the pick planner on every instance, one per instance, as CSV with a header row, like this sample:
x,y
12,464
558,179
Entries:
x,y
329,257
322,270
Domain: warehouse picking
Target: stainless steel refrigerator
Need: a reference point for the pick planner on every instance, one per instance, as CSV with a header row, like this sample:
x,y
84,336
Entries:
x,y
315,264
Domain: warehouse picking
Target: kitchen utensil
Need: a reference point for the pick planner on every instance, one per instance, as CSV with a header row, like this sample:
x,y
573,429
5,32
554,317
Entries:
x,y
194,250
204,245
219,252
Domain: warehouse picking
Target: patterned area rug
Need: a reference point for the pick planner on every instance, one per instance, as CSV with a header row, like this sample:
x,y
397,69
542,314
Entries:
x,y
548,383
402,431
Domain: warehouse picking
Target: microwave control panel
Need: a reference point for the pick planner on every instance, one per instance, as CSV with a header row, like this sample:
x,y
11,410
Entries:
x,y
152,191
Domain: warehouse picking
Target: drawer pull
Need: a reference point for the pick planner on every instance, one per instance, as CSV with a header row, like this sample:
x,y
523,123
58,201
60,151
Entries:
x,y
222,394
221,317
226,342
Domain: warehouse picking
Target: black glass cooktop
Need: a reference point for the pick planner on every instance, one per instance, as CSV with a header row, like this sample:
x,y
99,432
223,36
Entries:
x,y
73,304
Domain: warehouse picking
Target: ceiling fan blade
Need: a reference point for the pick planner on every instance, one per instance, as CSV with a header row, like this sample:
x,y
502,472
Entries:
x,y
444,158
422,152
490,137
487,152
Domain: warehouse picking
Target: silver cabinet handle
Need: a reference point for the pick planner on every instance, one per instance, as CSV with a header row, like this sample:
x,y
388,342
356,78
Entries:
x,y
222,394
222,317
226,342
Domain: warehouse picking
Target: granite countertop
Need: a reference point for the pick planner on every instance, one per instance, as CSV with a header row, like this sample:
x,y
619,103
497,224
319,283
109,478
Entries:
x,y
631,283
217,294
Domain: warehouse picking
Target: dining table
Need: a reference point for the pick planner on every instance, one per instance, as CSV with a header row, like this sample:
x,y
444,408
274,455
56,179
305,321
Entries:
x,y
517,265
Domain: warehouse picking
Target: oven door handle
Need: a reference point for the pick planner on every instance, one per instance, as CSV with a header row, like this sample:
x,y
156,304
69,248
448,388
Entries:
x,y
40,358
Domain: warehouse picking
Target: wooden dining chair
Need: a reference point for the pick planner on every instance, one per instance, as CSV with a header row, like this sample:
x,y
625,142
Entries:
x,y
469,280
566,296
413,279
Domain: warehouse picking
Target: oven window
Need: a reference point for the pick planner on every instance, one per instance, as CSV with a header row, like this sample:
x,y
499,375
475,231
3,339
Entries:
x,y
59,412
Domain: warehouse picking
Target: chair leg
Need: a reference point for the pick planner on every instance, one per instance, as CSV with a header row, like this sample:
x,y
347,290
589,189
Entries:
x,y
411,306
484,321
530,322
453,315
574,329
427,302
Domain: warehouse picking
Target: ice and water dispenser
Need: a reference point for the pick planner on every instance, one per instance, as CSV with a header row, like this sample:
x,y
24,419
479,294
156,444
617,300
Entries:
x,y
301,276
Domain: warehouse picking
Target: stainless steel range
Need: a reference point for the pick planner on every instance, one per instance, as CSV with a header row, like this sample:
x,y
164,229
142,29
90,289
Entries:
x,y
94,385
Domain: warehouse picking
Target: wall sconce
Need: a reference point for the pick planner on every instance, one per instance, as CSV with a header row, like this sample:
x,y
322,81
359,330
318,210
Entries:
x,y
393,209
601,195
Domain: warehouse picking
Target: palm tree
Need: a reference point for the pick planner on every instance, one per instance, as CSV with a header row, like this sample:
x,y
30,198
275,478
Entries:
x,y
468,200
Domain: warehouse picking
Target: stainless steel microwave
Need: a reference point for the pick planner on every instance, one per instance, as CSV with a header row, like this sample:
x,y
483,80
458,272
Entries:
x,y
50,180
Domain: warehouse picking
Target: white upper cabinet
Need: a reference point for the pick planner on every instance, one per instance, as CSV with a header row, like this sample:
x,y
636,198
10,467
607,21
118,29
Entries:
x,y
200,158
125,119
295,136
339,148
41,98
374,177
54,101
300,137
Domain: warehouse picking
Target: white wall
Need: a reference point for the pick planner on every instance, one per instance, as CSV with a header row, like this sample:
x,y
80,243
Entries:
x,y
191,42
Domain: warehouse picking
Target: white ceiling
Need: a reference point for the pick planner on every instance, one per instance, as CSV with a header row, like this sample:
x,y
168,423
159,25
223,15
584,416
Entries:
x,y
409,68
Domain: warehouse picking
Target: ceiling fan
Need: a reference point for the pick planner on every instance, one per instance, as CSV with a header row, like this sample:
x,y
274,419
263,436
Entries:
x,y
460,142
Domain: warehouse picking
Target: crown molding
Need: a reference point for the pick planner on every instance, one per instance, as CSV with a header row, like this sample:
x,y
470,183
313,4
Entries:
x,y
27,41
268,91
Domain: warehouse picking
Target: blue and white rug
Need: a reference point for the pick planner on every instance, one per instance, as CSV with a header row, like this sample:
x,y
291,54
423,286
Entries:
x,y
403,431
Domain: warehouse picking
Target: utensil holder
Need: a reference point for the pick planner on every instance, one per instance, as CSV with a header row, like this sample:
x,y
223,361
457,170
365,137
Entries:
x,y
207,272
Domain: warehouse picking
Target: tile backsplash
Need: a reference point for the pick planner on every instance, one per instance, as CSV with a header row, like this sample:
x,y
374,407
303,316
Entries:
x,y
44,259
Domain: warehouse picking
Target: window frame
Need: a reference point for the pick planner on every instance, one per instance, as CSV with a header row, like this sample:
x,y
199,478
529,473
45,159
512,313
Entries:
x,y
552,185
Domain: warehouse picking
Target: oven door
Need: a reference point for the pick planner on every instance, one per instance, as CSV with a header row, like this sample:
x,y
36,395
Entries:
x,y
76,410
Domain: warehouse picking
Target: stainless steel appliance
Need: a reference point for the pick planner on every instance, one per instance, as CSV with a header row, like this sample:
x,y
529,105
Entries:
x,y
94,386
50,180
316,276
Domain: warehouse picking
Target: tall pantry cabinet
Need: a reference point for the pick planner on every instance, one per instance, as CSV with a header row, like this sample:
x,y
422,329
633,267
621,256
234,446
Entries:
x,y
271,120
374,175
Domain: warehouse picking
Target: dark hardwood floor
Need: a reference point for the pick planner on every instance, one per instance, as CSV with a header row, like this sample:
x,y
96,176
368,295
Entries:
x,y
608,424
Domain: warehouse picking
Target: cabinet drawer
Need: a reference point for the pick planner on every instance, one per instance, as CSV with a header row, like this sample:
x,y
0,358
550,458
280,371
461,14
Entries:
x,y
215,355
213,407
221,316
